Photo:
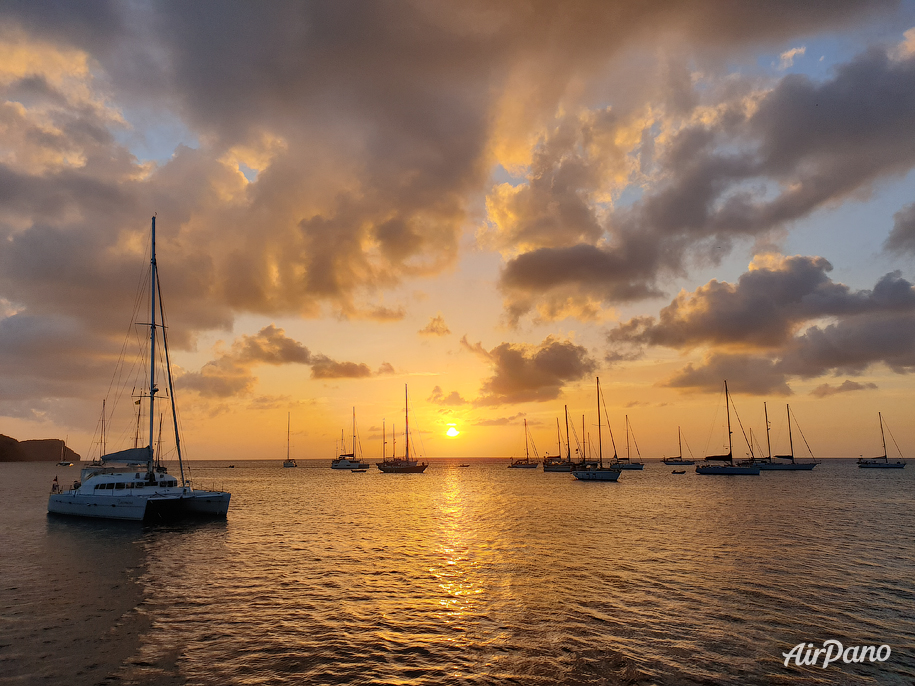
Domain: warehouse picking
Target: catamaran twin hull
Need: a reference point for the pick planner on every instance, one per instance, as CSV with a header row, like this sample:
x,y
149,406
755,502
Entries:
x,y
140,508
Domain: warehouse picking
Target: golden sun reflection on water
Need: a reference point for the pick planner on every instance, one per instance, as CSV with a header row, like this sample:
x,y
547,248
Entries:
x,y
456,574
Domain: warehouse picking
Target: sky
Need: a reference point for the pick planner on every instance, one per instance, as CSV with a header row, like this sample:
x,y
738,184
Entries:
x,y
489,204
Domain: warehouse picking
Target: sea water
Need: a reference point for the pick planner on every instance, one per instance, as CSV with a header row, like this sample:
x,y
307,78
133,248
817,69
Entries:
x,y
476,575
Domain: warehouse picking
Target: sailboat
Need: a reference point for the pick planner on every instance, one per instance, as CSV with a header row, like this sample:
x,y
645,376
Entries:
x,y
626,462
557,463
525,462
128,484
766,463
288,462
881,462
405,464
679,459
730,468
597,472
348,460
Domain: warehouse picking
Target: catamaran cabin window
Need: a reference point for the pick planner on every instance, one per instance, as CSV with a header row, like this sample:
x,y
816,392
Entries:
x,y
119,484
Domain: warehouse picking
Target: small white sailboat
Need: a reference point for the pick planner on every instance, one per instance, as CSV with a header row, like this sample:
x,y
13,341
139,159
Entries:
x,y
288,462
766,463
883,461
349,460
525,462
679,460
626,462
128,484
598,472
727,465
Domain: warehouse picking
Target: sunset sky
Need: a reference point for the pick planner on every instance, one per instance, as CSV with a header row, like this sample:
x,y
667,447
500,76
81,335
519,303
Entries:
x,y
490,202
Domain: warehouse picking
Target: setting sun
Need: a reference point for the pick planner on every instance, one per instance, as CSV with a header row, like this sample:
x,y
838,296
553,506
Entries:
x,y
452,432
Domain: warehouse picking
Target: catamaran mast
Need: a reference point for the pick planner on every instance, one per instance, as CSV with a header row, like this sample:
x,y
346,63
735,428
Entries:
x,y
103,428
768,440
406,407
152,347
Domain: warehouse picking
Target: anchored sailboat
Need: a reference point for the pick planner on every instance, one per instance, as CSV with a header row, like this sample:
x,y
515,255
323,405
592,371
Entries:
x,y
288,462
766,463
128,484
679,459
405,464
626,462
597,472
710,466
349,460
557,463
525,462
881,462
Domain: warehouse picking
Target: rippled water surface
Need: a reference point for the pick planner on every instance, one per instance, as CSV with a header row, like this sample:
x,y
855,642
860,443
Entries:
x,y
477,575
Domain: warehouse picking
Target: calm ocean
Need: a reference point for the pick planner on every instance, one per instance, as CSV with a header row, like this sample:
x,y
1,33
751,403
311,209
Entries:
x,y
477,575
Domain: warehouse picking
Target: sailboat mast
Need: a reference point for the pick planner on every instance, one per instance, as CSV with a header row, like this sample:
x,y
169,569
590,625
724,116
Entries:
x,y
384,440
769,440
558,439
627,438
882,436
791,440
568,443
406,407
152,346
288,415
103,427
527,455
600,447
680,441
727,408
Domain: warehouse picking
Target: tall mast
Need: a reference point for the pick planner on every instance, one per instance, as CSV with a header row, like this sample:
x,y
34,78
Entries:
x,y
727,407
568,443
406,414
600,448
527,454
627,438
558,439
394,441
768,440
103,427
791,440
288,415
882,436
152,346
584,438
354,433
680,441
384,440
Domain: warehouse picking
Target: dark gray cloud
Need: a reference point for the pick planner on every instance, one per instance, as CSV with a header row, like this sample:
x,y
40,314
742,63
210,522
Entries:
x,y
231,373
771,326
764,309
902,237
751,171
825,390
525,373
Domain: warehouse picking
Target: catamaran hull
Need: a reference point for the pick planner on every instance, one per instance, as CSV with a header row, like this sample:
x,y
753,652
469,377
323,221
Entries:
x,y
727,470
558,467
881,465
348,464
596,474
532,465
629,465
679,463
197,504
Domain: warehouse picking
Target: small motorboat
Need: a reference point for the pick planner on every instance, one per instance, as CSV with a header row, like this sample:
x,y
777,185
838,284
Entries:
x,y
463,465
679,471
357,471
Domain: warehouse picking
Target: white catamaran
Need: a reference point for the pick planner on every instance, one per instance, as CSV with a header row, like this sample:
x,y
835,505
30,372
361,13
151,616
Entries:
x,y
128,484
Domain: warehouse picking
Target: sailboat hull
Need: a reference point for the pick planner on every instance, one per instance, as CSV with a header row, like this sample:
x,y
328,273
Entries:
x,y
596,474
881,465
724,469
629,465
679,463
401,469
558,467
525,465
787,466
